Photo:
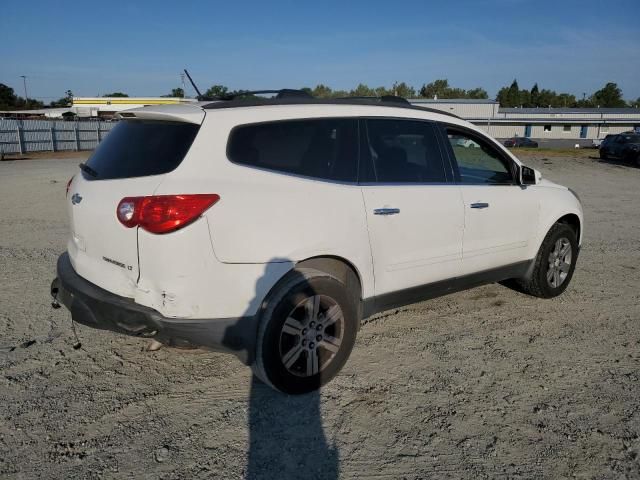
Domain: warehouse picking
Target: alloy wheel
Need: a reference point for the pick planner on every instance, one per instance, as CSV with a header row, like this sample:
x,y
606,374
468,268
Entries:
x,y
311,335
559,262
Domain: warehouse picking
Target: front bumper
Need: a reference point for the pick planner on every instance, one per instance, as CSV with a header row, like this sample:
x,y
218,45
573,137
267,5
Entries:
x,y
99,308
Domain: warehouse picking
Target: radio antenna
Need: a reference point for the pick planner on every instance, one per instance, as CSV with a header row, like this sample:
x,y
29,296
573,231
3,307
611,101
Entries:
x,y
193,84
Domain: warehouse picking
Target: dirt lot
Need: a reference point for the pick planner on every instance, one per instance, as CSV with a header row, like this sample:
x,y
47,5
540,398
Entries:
x,y
482,384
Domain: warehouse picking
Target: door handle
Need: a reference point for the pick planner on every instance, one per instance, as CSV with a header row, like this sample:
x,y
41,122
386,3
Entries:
x,y
480,205
386,211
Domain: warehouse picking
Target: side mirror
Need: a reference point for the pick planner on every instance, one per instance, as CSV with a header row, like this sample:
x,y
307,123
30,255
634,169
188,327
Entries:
x,y
528,176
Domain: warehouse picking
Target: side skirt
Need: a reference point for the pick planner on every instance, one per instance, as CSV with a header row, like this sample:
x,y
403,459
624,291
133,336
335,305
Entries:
x,y
387,301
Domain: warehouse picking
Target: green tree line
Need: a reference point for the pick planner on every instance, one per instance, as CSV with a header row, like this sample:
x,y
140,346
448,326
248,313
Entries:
x,y
509,96
610,95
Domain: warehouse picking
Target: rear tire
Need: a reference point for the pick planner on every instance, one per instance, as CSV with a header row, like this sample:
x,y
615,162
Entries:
x,y
633,158
306,332
554,265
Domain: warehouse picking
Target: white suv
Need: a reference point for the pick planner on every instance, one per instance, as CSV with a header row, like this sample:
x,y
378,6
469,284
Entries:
x,y
271,227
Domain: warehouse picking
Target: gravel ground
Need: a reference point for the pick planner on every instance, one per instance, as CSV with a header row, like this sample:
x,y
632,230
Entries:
x,y
482,384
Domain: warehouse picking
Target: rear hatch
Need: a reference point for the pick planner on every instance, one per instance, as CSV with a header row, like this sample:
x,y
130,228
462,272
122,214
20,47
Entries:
x,y
130,162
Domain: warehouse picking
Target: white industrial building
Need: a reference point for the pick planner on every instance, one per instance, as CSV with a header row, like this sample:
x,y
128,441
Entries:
x,y
554,127
548,126
95,107
107,107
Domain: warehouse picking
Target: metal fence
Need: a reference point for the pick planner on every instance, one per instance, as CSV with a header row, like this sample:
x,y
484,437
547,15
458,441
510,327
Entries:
x,y
22,136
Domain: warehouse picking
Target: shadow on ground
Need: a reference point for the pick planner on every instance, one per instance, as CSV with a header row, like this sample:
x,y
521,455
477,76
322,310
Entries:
x,y
286,437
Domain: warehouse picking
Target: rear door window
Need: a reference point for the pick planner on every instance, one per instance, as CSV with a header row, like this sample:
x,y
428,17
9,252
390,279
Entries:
x,y
140,148
319,148
404,151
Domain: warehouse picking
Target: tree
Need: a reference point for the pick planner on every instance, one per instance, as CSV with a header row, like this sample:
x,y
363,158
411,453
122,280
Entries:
x,y
322,91
382,91
362,90
610,96
10,101
566,100
440,88
7,97
217,91
503,97
635,104
479,93
339,94
65,101
513,94
116,95
534,96
437,88
175,93
403,90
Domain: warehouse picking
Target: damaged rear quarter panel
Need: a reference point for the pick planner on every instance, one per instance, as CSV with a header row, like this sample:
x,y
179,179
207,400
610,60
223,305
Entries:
x,y
180,276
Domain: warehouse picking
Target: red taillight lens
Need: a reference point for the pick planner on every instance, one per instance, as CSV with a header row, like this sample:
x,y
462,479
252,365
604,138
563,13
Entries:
x,y
163,213
68,186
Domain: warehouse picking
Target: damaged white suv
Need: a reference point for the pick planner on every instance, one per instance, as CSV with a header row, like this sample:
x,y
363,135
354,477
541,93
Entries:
x,y
270,227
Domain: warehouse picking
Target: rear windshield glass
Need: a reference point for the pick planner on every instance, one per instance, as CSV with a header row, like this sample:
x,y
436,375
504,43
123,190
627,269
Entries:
x,y
136,148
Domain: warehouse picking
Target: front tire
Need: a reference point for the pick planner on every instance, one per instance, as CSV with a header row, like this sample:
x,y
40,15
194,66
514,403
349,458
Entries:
x,y
306,332
554,265
603,155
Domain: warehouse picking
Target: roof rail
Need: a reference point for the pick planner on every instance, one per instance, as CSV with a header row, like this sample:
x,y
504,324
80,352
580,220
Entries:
x,y
382,99
282,93
306,99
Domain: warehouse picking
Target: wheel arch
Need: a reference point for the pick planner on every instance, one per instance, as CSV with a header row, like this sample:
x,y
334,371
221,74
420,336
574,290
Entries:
x,y
573,221
567,216
339,267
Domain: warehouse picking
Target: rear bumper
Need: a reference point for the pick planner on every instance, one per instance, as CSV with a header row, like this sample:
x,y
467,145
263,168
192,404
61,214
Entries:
x,y
98,308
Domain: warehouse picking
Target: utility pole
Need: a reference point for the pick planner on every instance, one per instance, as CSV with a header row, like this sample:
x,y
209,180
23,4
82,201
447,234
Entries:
x,y
184,91
24,82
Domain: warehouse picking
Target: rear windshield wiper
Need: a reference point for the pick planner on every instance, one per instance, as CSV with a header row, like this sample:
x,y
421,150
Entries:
x,y
88,170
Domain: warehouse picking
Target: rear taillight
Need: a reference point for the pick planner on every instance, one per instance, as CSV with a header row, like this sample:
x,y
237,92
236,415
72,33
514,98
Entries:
x,y
68,186
163,213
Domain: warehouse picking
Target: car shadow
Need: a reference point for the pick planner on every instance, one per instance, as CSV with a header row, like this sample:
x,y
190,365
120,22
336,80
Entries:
x,y
286,435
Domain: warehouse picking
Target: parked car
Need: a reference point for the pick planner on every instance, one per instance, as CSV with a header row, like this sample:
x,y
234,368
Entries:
x,y
625,146
520,142
605,140
466,143
271,227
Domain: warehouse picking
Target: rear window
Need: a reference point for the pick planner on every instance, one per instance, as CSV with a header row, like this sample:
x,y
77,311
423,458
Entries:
x,y
319,148
139,148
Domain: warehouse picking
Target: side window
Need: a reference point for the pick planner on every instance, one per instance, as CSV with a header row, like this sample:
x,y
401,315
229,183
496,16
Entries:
x,y
320,148
404,151
478,161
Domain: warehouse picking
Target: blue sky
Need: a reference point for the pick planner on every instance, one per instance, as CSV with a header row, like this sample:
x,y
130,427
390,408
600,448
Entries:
x,y
141,47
